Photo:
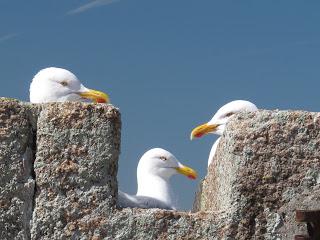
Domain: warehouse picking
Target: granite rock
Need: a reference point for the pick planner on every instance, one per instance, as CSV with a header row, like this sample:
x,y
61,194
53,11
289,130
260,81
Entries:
x,y
58,166
75,167
267,165
17,143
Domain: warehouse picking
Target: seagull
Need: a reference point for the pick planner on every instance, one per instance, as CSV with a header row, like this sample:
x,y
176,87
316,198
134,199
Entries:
x,y
154,171
218,122
59,85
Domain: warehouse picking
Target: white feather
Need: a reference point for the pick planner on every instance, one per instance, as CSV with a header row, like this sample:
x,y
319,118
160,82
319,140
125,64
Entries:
x,y
55,85
222,117
153,175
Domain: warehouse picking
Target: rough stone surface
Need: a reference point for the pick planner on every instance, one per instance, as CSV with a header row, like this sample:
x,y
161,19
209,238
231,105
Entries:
x,y
16,157
163,224
76,165
149,224
267,165
58,165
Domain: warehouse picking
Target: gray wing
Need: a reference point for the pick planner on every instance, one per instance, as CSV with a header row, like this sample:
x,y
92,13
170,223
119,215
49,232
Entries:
x,y
133,201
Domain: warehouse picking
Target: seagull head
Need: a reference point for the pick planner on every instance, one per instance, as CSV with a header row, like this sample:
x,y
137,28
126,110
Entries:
x,y
59,85
161,163
218,122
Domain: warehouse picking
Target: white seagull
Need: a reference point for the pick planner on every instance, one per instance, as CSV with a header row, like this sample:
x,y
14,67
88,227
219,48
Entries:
x,y
154,171
218,122
59,85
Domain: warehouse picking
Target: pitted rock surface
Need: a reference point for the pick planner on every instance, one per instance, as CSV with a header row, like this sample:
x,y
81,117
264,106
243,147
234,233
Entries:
x,y
58,166
76,165
266,166
16,159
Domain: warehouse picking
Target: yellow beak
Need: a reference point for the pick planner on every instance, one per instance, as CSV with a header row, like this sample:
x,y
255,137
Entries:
x,y
189,172
202,130
95,96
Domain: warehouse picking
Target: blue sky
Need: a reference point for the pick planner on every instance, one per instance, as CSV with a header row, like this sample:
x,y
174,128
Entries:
x,y
168,65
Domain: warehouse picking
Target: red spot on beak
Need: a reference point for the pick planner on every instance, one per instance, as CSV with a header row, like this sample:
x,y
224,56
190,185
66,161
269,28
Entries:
x,y
191,177
101,100
198,135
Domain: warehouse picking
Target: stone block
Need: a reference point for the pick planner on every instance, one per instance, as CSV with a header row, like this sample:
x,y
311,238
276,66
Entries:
x,y
17,144
266,166
76,163
58,167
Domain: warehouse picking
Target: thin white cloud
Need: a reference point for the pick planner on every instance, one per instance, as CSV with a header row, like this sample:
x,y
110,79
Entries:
x,y
7,37
90,5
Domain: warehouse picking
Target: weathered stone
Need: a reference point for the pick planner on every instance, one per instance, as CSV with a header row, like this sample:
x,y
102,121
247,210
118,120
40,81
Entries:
x,y
267,165
16,157
76,165
162,224
149,224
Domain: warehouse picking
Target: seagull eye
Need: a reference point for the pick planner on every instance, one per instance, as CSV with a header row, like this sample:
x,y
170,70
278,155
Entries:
x,y
229,114
64,83
163,158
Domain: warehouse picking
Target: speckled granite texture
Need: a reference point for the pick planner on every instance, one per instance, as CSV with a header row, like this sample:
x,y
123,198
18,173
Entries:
x,y
266,166
16,182
58,166
75,167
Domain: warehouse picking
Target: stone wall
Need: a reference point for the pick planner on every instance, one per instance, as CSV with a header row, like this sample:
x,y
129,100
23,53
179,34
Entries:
x,y
266,166
16,181
75,167
58,166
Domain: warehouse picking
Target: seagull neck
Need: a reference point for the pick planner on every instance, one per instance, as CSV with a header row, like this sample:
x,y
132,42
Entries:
x,y
155,187
213,151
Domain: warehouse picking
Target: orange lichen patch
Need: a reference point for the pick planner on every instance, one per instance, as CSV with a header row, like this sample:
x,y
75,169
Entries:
x,y
93,223
67,166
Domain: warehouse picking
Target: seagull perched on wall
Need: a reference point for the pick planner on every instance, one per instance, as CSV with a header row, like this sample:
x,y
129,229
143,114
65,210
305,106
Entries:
x,y
154,171
59,85
218,122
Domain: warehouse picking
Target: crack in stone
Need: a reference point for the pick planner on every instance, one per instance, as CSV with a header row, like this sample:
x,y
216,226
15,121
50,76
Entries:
x,y
28,161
